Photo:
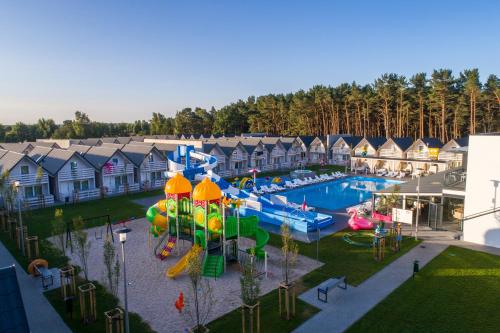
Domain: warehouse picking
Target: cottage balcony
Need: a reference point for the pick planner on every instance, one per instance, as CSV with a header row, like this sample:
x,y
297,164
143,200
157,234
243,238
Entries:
x,y
341,151
123,189
390,153
38,201
81,195
119,169
29,179
76,174
415,155
154,166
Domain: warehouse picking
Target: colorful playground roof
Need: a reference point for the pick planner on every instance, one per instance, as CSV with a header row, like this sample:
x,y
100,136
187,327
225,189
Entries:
x,y
178,184
206,190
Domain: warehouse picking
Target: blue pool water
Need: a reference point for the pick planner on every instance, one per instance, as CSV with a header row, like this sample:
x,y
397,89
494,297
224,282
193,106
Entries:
x,y
339,193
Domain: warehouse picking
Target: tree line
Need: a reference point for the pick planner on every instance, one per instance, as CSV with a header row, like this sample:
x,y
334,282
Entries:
x,y
438,105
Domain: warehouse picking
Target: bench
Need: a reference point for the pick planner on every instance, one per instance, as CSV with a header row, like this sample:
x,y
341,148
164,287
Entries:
x,y
325,287
46,274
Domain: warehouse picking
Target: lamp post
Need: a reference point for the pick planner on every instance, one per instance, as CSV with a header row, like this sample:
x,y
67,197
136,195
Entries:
x,y
123,238
418,203
17,185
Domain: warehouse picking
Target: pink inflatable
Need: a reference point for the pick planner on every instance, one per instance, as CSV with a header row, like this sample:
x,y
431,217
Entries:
x,y
358,223
380,217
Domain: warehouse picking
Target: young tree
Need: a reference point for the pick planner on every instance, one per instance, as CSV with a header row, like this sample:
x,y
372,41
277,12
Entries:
x,y
82,244
289,250
199,301
250,284
58,229
112,266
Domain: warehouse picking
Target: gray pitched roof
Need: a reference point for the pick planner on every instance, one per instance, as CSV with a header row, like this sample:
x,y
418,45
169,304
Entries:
x,y
12,314
56,159
227,145
23,147
3,152
140,143
432,142
45,144
165,147
376,141
98,156
109,140
403,143
91,142
113,145
39,153
124,139
137,138
137,153
10,159
352,141
82,149
463,141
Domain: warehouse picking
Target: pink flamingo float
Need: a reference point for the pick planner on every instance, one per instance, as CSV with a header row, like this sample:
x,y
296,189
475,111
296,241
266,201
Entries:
x,y
357,222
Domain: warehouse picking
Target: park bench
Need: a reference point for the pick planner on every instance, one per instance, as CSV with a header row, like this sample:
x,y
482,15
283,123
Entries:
x,y
325,287
47,277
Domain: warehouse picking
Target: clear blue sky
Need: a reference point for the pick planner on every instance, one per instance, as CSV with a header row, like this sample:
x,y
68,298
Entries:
x,y
123,60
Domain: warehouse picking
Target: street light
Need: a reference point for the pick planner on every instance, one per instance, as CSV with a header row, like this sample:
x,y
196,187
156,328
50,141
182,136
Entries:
x,y
17,185
418,203
123,238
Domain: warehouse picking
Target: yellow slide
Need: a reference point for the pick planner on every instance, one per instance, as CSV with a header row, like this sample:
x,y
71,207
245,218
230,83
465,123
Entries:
x,y
180,266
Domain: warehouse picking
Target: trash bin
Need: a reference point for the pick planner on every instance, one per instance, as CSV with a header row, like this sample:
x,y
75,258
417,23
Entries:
x,y
415,267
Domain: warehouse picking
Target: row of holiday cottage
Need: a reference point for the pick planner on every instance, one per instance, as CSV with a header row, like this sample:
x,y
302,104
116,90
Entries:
x,y
47,171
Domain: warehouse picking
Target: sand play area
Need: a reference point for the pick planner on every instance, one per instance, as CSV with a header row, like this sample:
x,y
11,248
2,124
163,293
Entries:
x,y
152,295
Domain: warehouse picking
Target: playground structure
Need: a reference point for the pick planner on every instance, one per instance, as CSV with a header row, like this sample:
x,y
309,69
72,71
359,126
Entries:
x,y
201,219
180,161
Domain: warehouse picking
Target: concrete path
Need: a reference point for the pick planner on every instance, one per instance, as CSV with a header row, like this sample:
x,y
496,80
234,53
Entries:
x,y
345,307
41,315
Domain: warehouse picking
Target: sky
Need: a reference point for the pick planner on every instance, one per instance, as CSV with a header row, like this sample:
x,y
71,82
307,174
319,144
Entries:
x,y
123,60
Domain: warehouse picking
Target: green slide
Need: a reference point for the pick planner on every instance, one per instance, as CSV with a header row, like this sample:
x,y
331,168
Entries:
x,y
261,239
213,266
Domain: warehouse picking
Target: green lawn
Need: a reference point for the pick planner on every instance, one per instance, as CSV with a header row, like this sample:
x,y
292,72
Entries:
x,y
119,208
339,258
458,291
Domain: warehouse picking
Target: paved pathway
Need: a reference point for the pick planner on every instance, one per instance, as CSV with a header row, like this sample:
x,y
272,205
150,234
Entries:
x,y
41,315
345,307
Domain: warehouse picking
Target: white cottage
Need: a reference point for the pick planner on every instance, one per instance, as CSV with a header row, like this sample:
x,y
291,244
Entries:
x,y
213,149
32,180
71,176
295,151
150,164
343,148
116,173
257,153
277,153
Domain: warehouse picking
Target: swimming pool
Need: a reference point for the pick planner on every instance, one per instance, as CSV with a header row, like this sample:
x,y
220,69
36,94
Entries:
x,y
338,193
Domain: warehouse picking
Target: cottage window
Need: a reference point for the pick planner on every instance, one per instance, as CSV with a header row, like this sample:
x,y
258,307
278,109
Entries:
x,y
115,161
28,192
150,157
73,165
25,170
